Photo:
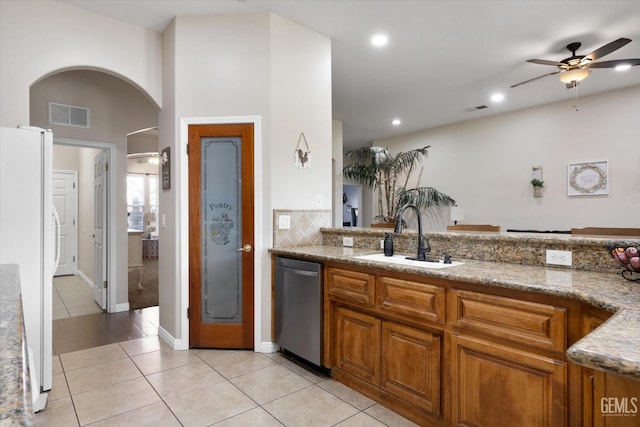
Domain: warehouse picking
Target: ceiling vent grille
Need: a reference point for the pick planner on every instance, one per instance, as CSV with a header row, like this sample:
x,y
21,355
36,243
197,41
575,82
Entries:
x,y
68,115
472,109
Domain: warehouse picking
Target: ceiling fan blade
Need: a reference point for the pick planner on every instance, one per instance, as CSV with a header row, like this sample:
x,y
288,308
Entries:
x,y
605,50
535,78
545,62
613,64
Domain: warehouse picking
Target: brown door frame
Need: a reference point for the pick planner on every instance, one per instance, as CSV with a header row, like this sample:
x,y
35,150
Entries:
x,y
243,334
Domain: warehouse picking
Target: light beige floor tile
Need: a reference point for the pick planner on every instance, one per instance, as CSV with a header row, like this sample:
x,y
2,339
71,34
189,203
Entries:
x,y
141,345
361,420
162,360
308,373
270,383
312,407
59,388
56,366
347,394
58,413
184,379
209,405
252,418
239,363
155,415
60,314
276,357
389,417
92,356
209,355
115,399
98,376
83,310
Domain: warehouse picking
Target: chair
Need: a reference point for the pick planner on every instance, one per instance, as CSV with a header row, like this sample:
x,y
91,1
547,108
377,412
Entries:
x,y
605,231
473,227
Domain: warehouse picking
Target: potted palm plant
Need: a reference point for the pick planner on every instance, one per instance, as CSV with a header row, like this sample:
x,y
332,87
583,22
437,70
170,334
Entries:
x,y
388,176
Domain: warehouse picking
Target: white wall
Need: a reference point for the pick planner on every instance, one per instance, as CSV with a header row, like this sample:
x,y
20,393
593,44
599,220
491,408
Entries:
x,y
41,37
336,187
485,164
245,65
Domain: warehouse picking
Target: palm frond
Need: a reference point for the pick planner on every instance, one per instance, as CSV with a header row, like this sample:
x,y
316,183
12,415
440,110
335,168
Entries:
x,y
423,197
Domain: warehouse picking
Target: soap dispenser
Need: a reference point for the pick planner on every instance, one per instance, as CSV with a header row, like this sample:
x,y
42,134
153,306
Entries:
x,y
388,245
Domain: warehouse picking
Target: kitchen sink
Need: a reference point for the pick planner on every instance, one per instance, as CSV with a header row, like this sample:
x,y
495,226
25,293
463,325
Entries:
x,y
402,260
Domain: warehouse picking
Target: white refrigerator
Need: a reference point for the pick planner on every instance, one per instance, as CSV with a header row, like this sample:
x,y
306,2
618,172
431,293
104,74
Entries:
x,y
28,238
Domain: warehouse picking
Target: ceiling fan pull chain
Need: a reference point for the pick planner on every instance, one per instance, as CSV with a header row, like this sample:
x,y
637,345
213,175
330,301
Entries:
x,y
575,96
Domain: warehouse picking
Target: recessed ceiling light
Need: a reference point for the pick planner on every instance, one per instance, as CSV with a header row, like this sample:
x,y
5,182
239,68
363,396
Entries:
x,y
396,122
497,97
379,40
623,67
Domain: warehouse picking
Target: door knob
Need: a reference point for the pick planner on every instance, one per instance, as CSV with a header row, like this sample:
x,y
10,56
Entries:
x,y
246,248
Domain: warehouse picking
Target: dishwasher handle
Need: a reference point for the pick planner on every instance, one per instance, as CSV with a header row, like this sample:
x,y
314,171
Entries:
x,y
298,271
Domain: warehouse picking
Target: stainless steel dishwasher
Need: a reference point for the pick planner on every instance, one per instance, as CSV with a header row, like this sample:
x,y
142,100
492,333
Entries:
x,y
298,307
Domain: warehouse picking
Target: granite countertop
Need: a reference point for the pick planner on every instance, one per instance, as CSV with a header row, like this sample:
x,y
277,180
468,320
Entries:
x,y
15,389
613,347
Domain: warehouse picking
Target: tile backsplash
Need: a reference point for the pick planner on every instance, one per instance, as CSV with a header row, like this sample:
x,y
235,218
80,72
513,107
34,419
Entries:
x,y
304,226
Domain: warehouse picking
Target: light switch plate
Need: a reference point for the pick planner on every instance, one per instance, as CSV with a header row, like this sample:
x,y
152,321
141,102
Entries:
x,y
347,241
284,222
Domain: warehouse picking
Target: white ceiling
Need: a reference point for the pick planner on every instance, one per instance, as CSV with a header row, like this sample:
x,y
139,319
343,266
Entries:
x,y
443,56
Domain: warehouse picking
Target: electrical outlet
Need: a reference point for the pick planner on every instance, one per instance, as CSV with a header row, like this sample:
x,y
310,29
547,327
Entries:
x,y
559,257
347,241
284,222
381,243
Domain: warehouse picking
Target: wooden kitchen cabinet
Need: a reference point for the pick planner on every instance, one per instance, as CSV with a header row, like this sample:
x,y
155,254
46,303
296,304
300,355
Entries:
x,y
411,365
609,400
494,385
357,344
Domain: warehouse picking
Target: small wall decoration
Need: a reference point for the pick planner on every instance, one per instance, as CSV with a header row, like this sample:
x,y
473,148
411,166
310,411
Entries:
x,y
302,154
588,179
165,160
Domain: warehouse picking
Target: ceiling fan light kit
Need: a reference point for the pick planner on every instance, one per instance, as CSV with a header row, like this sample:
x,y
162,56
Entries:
x,y
576,68
574,76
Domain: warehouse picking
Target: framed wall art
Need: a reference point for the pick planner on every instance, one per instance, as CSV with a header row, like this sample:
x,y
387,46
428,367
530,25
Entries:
x,y
588,179
165,160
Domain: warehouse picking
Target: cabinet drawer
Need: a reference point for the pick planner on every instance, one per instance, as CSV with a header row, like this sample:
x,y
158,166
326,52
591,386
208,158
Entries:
x,y
412,298
350,285
530,323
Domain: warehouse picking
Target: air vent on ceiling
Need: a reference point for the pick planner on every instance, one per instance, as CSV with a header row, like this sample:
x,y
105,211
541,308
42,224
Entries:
x,y
472,109
68,115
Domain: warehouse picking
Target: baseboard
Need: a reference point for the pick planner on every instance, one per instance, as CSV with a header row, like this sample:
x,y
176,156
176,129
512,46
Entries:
x,y
267,347
85,278
174,343
122,307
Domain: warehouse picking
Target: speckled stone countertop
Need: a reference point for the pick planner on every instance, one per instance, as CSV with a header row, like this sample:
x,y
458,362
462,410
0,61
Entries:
x,y
613,347
15,386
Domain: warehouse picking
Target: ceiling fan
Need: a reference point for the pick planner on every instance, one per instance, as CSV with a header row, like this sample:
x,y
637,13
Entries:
x,y
576,68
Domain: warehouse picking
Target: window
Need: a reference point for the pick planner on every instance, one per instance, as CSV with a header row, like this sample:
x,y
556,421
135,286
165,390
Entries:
x,y
135,201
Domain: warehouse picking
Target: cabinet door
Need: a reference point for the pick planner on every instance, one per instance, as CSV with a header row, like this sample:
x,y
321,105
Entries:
x,y
411,365
494,385
609,400
357,344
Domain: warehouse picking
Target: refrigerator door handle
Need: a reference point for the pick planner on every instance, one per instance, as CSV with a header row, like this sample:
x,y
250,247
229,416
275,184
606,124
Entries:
x,y
56,220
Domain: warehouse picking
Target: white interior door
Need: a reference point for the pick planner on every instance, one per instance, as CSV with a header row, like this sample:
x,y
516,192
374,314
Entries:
x,y
100,168
65,200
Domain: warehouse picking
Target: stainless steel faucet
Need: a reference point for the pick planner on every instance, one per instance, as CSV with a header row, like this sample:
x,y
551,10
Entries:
x,y
422,249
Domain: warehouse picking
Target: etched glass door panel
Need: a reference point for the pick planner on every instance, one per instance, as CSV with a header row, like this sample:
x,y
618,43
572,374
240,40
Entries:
x,y
221,230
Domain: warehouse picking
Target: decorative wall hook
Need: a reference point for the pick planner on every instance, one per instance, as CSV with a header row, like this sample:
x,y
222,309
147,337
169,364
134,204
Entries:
x,y
302,155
